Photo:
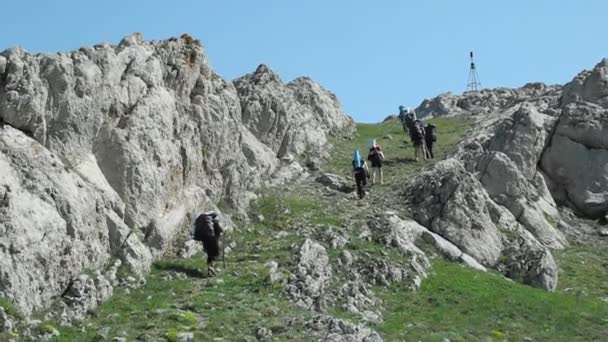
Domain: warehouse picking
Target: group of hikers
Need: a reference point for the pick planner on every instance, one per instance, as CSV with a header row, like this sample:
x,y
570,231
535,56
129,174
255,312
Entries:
x,y
208,230
422,136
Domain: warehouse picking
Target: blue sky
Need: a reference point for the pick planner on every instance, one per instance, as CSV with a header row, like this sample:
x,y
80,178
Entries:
x,y
374,55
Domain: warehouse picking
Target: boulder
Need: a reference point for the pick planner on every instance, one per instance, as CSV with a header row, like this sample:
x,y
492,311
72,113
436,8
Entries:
x,y
307,286
336,182
452,203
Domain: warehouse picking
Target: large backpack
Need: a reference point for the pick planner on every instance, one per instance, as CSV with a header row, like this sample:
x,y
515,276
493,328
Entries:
x,y
203,227
417,133
431,132
373,155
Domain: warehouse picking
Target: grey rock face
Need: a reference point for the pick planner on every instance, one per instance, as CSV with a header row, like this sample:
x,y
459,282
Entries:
x,y
454,204
109,150
577,157
307,287
338,330
7,322
292,118
336,182
534,148
485,101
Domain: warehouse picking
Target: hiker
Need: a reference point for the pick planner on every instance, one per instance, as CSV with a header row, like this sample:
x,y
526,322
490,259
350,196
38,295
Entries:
x,y
430,136
418,138
360,173
402,114
208,230
376,157
407,118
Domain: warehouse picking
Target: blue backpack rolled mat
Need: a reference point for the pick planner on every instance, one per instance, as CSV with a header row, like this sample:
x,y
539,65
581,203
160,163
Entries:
x,y
357,159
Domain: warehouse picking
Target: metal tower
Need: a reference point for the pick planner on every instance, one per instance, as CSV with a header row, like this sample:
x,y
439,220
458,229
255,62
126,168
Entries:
x,y
474,84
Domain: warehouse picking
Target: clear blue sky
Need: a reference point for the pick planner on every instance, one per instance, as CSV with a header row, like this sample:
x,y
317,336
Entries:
x,y
374,55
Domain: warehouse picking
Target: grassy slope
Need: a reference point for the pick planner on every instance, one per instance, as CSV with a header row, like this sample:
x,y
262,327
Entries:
x,y
454,302
462,304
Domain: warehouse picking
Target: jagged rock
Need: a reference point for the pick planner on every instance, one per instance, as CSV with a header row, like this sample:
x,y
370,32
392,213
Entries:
x,y
119,145
263,334
485,101
338,330
307,286
287,118
190,249
53,222
336,182
454,204
577,156
84,294
185,336
7,322
274,275
403,234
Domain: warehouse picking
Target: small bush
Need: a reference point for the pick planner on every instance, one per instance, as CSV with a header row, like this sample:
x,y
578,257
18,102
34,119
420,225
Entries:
x,y
10,309
47,328
188,318
171,335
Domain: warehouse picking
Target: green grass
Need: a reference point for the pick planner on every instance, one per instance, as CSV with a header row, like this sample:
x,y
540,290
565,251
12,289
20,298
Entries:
x,y
398,151
233,304
584,270
463,304
9,308
455,302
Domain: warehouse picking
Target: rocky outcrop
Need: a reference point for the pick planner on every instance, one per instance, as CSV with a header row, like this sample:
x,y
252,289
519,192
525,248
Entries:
x,y
485,101
535,147
336,182
292,118
454,204
307,286
338,330
576,161
107,152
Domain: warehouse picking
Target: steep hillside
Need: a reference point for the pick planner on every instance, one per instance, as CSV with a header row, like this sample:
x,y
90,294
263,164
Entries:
x,y
316,264
107,153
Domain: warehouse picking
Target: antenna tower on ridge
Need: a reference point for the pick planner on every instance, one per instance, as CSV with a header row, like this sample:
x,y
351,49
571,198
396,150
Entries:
x,y
474,84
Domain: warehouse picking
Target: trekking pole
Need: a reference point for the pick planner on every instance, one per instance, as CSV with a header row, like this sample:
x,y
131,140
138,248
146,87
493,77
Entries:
x,y
224,249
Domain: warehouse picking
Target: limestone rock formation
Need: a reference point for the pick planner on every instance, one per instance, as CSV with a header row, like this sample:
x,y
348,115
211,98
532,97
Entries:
x,y
581,134
292,118
485,101
531,149
107,152
307,286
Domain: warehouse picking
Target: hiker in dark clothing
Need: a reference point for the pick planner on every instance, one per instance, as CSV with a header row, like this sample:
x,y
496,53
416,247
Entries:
x,y
360,174
376,157
208,230
430,136
418,138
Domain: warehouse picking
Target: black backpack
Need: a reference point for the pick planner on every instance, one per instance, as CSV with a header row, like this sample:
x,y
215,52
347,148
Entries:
x,y
373,155
203,227
417,133
431,132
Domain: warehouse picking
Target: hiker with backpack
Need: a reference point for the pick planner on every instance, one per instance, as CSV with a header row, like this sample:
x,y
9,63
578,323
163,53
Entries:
x,y
360,173
418,138
407,118
208,230
376,157
430,136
